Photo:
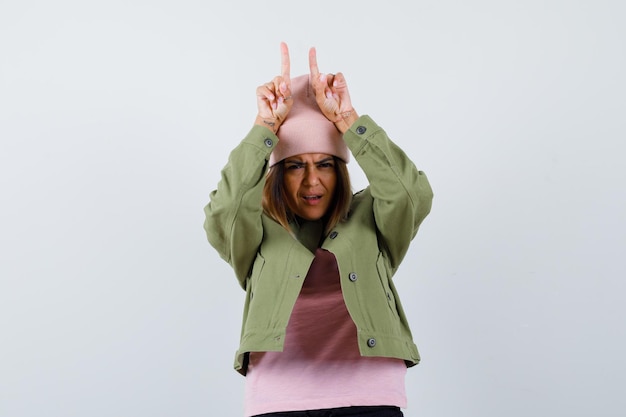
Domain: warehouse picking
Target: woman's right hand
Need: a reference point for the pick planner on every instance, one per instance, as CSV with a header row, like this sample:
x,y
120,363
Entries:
x,y
274,98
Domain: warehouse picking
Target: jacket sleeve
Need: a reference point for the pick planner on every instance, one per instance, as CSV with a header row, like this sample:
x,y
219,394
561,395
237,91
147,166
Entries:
x,y
233,214
402,194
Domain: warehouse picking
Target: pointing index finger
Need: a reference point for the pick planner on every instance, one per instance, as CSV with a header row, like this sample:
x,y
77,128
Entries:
x,y
285,65
315,72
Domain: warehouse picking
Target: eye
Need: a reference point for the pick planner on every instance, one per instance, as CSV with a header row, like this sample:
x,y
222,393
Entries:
x,y
328,164
294,166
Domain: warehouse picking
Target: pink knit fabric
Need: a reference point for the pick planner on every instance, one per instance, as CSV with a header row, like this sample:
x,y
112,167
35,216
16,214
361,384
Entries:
x,y
306,129
321,366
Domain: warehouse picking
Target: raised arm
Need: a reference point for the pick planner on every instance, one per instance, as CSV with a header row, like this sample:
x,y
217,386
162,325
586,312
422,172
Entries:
x,y
401,194
233,215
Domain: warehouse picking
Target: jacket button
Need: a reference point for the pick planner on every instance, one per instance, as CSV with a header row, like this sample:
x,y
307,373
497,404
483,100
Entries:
x,y
371,342
352,276
268,142
333,234
361,129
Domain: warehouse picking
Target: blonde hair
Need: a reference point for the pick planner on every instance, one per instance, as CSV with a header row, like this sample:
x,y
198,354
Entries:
x,y
275,199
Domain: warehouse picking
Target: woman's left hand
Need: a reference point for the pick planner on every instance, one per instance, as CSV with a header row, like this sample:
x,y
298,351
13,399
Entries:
x,y
332,96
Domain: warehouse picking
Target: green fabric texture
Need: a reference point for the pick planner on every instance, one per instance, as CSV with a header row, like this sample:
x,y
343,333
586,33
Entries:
x,y
270,264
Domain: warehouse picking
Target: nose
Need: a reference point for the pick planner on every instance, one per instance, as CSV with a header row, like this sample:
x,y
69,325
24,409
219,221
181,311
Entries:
x,y
310,176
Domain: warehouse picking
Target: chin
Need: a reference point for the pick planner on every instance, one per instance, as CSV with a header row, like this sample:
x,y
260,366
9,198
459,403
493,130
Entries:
x,y
311,216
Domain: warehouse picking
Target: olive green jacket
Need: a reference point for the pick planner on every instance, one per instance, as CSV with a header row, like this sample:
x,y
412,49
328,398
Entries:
x,y
271,264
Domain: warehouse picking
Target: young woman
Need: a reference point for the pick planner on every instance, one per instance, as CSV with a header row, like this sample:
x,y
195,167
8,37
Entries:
x,y
324,332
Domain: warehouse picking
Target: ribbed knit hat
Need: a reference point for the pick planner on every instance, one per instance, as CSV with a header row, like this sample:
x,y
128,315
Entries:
x,y
306,129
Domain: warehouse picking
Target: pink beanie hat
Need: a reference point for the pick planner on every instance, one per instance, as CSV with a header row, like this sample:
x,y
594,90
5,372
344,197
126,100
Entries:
x,y
306,129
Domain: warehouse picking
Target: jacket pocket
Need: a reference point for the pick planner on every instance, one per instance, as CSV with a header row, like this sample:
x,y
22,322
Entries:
x,y
384,276
255,274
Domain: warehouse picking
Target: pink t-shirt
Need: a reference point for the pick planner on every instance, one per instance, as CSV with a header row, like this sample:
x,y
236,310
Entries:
x,y
321,366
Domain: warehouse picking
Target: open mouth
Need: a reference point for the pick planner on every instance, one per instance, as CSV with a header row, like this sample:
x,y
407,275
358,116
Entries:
x,y
312,199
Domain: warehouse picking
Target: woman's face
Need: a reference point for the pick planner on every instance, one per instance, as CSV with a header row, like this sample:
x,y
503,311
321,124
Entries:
x,y
310,181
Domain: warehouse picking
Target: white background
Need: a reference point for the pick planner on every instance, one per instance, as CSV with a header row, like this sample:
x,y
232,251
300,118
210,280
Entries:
x,y
116,118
